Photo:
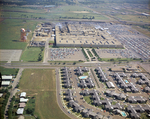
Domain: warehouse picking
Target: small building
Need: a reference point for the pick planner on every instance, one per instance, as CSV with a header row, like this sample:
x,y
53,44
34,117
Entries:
x,y
5,83
6,78
110,85
147,89
20,111
23,95
69,95
83,84
85,69
122,74
1,94
22,105
134,75
79,71
85,92
23,100
127,90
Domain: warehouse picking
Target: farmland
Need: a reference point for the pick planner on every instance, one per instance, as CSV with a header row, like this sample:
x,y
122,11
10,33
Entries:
x,y
41,83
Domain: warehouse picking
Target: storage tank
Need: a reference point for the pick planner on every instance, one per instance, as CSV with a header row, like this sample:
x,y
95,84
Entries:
x,y
23,35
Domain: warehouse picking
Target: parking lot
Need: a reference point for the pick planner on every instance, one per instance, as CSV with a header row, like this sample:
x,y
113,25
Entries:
x,y
134,41
10,55
62,54
113,53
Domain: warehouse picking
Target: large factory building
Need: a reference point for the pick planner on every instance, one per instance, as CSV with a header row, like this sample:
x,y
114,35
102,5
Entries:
x,y
84,35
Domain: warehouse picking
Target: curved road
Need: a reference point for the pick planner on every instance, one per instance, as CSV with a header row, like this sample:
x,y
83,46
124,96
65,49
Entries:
x,y
59,96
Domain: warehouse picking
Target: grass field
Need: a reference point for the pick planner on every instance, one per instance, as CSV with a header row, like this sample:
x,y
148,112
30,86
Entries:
x,y
136,18
10,33
87,99
142,30
31,54
119,59
61,12
76,12
6,71
41,83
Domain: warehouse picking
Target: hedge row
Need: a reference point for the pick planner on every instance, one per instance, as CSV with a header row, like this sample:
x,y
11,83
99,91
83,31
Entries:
x,y
93,50
3,103
85,54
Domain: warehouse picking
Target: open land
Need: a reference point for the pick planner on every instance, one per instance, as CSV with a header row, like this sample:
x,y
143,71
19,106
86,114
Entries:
x,y
10,33
31,54
41,83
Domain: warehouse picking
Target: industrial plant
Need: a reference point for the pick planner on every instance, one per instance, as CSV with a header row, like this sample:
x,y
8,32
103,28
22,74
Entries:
x,y
84,34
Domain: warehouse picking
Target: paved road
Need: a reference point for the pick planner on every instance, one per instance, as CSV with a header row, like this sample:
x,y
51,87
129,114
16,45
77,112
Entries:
x,y
59,96
13,91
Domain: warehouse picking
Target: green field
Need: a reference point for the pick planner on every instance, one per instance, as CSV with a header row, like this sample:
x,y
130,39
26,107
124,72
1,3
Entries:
x,y
76,12
87,99
61,12
32,54
136,18
10,33
41,84
6,71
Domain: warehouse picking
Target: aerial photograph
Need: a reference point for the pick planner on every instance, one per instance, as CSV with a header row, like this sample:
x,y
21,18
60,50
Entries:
x,y
74,59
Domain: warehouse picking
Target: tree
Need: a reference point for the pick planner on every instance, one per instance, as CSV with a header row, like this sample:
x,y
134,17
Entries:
x,y
30,110
112,59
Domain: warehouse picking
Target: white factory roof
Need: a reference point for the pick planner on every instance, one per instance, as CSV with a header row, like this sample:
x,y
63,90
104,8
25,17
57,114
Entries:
x,y
20,110
23,100
6,77
23,94
5,83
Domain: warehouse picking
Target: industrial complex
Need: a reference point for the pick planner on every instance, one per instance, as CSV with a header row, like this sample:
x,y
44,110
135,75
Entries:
x,y
82,34
87,86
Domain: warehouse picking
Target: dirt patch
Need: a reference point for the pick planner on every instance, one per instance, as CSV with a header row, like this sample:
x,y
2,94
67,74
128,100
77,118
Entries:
x,y
80,12
32,73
